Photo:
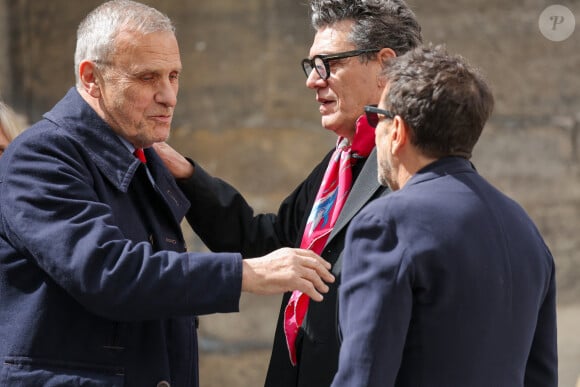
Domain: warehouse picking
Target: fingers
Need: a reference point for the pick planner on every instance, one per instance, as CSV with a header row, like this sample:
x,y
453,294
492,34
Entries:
x,y
320,265
312,272
178,165
311,292
163,149
285,270
313,282
313,289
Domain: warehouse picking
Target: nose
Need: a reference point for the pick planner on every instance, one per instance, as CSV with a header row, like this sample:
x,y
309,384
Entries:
x,y
167,93
314,80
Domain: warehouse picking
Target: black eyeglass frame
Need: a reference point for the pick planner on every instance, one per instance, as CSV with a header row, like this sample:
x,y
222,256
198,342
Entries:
x,y
372,113
327,58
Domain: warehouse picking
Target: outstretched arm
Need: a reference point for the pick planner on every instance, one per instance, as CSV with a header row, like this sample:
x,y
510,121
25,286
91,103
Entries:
x,y
219,214
282,270
225,221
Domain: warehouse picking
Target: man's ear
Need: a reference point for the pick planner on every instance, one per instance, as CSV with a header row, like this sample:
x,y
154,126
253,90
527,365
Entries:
x,y
384,56
399,135
89,78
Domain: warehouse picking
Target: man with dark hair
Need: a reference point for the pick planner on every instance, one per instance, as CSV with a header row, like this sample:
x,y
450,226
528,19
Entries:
x,y
353,40
446,281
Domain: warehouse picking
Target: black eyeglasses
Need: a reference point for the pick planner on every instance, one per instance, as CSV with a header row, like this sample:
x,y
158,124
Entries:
x,y
372,112
321,65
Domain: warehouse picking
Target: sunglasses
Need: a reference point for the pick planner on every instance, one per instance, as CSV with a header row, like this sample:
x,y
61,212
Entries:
x,y
372,112
320,63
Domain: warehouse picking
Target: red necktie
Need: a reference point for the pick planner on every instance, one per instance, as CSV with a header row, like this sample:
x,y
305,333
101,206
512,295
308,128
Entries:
x,y
140,155
329,201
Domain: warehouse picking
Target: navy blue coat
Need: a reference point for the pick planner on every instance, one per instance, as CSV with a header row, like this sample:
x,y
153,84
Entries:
x,y
447,282
96,286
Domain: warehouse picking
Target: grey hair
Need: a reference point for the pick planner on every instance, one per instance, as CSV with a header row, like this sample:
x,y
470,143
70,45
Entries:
x,y
97,33
377,23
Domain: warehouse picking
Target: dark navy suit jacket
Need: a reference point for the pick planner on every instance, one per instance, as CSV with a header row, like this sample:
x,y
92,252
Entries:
x,y
447,282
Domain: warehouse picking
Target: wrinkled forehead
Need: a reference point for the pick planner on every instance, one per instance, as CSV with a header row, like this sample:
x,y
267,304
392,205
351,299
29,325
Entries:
x,y
137,50
332,39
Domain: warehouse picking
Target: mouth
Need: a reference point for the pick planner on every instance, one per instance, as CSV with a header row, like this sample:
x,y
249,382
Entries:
x,y
326,105
165,119
323,101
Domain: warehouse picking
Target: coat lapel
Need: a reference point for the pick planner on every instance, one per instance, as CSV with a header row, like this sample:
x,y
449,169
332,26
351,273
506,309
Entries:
x,y
362,191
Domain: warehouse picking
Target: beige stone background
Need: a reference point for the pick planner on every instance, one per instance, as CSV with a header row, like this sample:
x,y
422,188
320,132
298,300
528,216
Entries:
x,y
245,114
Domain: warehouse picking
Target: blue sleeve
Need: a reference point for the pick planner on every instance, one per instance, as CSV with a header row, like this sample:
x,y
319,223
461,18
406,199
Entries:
x,y
375,303
542,366
59,229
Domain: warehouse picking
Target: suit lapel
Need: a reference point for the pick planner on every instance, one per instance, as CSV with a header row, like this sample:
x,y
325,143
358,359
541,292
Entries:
x,y
362,190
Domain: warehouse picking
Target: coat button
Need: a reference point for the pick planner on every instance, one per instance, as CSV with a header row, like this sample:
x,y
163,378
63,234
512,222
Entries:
x,y
163,383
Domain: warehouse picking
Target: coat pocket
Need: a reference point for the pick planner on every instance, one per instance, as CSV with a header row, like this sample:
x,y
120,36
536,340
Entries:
x,y
25,372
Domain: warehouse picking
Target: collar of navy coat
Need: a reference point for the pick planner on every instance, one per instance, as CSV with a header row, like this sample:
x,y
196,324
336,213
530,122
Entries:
x,y
450,165
109,154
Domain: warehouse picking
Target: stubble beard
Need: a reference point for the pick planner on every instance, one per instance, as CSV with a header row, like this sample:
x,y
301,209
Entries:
x,y
386,177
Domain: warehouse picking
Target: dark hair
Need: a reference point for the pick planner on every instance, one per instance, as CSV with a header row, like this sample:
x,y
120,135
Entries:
x,y
377,23
445,101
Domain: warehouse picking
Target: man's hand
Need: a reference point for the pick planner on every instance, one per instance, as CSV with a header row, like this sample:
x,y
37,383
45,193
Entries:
x,y
285,270
178,165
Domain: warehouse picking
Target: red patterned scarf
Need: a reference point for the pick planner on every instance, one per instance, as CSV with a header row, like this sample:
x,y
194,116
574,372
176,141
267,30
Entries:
x,y
329,201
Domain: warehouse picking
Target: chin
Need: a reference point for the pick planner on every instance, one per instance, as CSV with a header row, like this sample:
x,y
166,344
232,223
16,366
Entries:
x,y
330,130
339,130
340,123
161,135
385,176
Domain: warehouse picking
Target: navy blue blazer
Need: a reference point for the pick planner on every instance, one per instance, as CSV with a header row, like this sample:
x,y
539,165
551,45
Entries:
x,y
447,282
96,286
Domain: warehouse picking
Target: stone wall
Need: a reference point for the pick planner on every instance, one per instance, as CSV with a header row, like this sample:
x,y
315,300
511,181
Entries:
x,y
241,58
4,32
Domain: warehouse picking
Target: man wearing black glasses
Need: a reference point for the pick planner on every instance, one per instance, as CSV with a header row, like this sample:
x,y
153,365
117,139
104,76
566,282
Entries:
x,y
353,40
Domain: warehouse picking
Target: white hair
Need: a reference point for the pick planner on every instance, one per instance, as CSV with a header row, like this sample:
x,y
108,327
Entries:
x,y
97,33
